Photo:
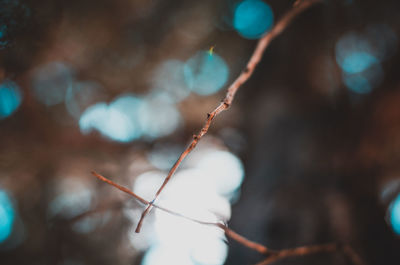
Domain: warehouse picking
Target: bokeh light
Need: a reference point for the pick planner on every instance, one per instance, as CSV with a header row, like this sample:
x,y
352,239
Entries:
x,y
129,105
364,82
117,121
193,239
51,81
163,156
224,170
169,77
166,254
209,251
252,18
206,73
158,116
360,55
129,117
189,194
354,53
201,196
357,62
10,98
73,197
7,216
201,190
146,183
395,215
108,121
357,83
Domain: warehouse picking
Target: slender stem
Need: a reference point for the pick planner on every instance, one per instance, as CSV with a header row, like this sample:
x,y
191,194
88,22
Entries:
x,y
300,251
126,190
314,249
263,43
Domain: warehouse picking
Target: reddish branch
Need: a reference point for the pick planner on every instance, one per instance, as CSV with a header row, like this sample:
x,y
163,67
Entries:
x,y
272,255
300,251
309,250
263,43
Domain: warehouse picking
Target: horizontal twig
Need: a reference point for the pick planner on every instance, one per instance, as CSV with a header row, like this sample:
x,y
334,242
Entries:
x,y
314,249
300,251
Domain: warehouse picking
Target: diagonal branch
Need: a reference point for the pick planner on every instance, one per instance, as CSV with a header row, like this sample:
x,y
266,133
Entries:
x,y
263,43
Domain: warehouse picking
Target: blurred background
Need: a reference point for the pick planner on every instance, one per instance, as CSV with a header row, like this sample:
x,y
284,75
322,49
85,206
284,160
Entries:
x,y
309,152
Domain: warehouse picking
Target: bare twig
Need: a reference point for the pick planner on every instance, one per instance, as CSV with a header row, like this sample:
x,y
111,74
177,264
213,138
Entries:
x,y
229,233
263,43
309,250
300,251
272,255
121,188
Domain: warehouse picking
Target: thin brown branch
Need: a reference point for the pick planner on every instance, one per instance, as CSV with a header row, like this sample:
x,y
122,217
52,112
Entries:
x,y
314,249
300,251
272,255
228,232
263,43
121,188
